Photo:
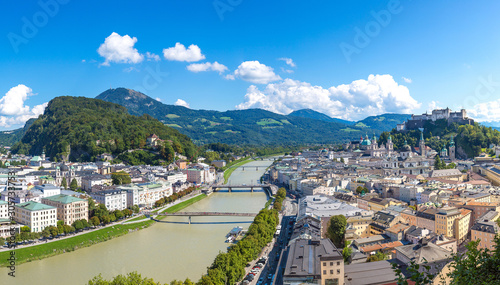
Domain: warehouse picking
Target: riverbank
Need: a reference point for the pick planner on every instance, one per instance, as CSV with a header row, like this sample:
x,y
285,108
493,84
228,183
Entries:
x,y
184,204
69,244
72,243
233,167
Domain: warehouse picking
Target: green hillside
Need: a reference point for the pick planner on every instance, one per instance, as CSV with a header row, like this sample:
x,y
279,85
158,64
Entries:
x,y
9,138
78,128
308,113
469,139
384,122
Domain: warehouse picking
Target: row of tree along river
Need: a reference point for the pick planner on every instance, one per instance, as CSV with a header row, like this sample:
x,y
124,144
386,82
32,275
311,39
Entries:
x,y
170,249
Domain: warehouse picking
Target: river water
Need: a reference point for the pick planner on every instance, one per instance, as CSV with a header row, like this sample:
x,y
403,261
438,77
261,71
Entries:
x,y
168,250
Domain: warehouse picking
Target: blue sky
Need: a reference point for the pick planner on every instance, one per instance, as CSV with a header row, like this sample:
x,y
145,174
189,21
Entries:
x,y
347,59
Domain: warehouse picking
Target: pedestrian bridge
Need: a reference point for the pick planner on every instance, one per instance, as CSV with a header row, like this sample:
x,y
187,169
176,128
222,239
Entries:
x,y
197,214
270,189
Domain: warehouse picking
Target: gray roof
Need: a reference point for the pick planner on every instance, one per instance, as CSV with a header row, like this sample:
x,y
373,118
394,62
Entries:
x,y
379,272
304,257
444,173
424,251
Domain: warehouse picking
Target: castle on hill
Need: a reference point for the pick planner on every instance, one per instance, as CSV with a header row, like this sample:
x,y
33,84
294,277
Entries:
x,y
418,121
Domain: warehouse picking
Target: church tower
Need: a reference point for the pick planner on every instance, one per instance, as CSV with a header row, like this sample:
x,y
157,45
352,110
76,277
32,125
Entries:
x,y
452,148
421,144
389,144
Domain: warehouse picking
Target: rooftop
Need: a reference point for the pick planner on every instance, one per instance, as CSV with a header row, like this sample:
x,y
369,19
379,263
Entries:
x,y
379,272
34,206
64,199
305,255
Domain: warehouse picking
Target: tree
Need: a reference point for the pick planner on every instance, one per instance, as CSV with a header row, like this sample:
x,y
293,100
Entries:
x,y
437,162
475,266
25,229
131,278
53,231
277,206
105,219
336,229
73,185
67,229
46,233
120,178
361,190
342,160
347,251
2,241
95,221
78,225
118,214
85,223
379,256
64,183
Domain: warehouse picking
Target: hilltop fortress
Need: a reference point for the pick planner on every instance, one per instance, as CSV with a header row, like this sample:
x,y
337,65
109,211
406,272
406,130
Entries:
x,y
418,121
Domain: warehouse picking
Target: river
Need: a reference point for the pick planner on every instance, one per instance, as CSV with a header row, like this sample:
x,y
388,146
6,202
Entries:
x,y
168,250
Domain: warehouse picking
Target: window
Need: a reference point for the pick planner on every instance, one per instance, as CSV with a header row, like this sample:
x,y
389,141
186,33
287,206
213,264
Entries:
x,y
324,272
324,263
331,271
331,263
338,263
338,271
334,281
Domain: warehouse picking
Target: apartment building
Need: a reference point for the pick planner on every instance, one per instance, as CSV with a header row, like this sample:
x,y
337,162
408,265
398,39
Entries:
x,y
69,208
485,230
35,215
445,221
480,208
113,199
146,194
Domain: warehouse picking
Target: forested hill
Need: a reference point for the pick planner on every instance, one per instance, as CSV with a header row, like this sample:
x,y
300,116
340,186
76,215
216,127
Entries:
x,y
81,128
9,138
470,140
242,127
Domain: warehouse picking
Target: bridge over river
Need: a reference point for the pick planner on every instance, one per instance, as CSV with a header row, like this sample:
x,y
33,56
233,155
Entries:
x,y
270,189
197,214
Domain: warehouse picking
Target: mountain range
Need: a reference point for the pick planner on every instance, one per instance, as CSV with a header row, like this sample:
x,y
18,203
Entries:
x,y
242,127
251,126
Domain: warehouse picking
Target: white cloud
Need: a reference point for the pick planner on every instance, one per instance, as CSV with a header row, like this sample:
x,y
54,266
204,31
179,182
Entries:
x,y
158,99
286,70
288,61
230,77
356,100
433,105
407,80
181,102
207,66
152,57
180,53
256,72
12,109
119,49
486,112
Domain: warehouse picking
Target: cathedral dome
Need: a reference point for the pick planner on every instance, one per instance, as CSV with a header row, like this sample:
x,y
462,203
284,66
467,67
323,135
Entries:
x,y
64,167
